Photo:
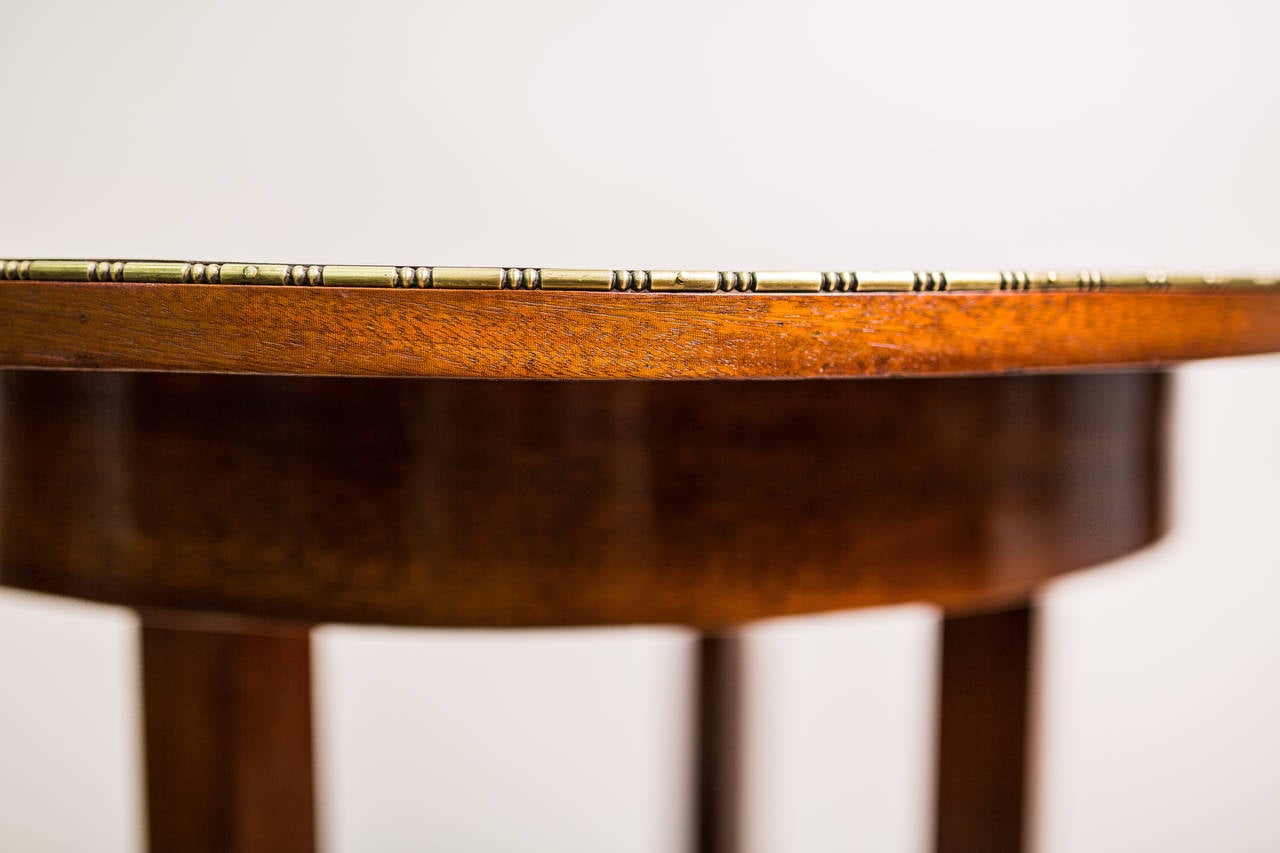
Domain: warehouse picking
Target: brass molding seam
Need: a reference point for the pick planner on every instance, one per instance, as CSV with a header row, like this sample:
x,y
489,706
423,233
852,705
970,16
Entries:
x,y
621,281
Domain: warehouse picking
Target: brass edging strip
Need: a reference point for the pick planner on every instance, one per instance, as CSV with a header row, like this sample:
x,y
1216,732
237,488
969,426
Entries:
x,y
633,281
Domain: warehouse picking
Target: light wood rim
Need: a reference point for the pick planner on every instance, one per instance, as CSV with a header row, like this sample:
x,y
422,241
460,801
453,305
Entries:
x,y
546,334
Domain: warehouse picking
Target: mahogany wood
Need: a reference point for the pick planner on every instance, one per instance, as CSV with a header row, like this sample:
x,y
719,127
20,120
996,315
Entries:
x,y
436,502
983,732
228,737
719,710
444,502
544,334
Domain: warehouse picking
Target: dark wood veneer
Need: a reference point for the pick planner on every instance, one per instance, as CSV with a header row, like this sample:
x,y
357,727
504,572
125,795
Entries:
x,y
228,716
435,502
489,501
983,732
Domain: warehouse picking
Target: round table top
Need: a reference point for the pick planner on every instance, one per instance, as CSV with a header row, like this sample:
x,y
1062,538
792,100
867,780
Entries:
x,y
523,322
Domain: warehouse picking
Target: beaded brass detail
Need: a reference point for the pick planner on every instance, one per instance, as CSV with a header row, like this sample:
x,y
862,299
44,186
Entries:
x,y
628,281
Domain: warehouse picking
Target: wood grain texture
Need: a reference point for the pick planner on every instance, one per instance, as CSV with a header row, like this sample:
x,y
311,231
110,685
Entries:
x,y
457,502
982,740
228,739
542,334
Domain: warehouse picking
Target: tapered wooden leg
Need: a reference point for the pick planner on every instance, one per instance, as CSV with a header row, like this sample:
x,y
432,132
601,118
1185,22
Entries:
x,y
983,733
228,739
719,707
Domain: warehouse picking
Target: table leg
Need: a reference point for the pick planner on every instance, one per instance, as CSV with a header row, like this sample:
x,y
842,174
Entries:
x,y
983,732
228,738
718,733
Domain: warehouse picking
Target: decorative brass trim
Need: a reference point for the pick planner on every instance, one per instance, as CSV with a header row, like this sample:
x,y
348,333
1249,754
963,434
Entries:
x,y
675,281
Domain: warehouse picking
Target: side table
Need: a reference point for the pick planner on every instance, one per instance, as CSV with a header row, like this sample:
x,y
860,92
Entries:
x,y
239,451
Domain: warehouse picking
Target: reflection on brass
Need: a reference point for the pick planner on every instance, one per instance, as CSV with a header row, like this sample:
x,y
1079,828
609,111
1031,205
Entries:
x,y
977,281
553,279
466,278
787,282
265,274
683,280
340,276
886,281
60,270
626,281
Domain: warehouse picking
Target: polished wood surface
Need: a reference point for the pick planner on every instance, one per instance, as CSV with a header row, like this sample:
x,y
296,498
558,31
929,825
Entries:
x,y
982,741
439,501
546,334
436,502
227,713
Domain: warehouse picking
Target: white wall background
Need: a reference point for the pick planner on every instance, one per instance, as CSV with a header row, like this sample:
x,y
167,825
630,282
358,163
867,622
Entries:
x,y
663,134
